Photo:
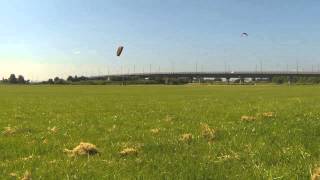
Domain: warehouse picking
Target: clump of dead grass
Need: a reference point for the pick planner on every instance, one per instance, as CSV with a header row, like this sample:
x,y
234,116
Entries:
x,y
83,149
168,118
13,174
187,138
316,174
248,118
207,132
53,129
129,152
9,130
155,131
112,129
26,176
27,158
268,114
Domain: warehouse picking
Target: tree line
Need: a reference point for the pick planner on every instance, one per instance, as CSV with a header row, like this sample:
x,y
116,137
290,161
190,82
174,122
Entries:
x,y
15,80
69,80
12,79
295,80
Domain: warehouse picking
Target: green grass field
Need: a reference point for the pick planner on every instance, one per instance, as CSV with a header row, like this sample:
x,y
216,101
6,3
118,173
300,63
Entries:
x,y
284,146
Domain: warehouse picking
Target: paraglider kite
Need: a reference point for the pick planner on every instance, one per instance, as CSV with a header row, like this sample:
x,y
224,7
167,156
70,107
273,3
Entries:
x,y
244,35
119,51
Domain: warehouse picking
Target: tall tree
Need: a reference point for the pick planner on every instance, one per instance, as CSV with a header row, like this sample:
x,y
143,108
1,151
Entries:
x,y
12,79
70,78
21,80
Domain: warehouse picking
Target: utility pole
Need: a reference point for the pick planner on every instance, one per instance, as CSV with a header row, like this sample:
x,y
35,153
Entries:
x,y
260,66
149,68
196,67
172,64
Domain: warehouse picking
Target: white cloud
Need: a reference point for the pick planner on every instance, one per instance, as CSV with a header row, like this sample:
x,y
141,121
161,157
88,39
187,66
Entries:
x,y
76,52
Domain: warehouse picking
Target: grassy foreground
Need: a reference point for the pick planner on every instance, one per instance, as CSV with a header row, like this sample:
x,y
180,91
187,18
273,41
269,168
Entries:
x,y
46,120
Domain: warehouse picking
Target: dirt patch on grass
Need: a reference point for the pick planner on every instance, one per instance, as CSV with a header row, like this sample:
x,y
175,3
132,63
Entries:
x,y
83,149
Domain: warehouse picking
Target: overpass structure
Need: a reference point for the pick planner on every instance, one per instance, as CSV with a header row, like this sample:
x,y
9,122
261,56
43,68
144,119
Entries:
x,y
168,77
227,75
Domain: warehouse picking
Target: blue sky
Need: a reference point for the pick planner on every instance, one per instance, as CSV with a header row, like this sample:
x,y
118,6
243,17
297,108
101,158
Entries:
x,y
45,38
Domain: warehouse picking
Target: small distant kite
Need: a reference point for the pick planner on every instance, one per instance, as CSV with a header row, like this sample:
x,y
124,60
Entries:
x,y
119,51
244,35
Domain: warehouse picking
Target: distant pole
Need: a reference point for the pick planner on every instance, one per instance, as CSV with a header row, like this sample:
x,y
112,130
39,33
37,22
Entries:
x,y
172,64
122,75
196,67
287,68
134,69
256,68
297,64
149,68
261,66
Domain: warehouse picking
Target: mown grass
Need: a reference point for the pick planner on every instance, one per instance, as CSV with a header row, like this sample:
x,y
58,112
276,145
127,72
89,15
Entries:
x,y
285,146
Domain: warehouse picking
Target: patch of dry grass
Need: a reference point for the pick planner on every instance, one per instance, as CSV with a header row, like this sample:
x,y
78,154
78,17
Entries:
x,y
316,174
248,118
187,138
83,149
168,118
13,175
53,129
129,152
26,176
207,132
155,131
268,114
9,130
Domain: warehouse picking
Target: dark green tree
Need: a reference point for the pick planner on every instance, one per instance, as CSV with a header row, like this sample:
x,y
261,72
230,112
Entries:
x,y
56,79
12,79
70,78
21,80
50,81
